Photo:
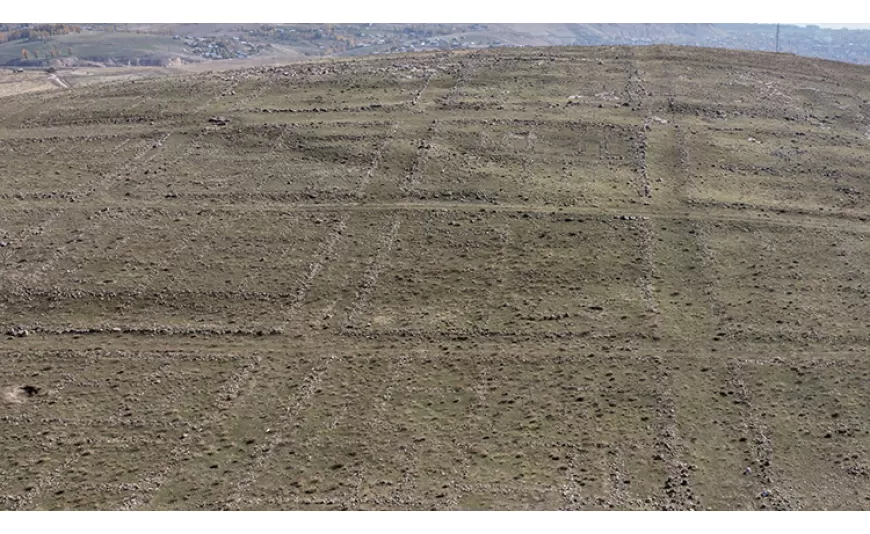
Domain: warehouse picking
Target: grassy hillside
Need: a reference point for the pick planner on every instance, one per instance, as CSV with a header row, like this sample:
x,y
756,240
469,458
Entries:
x,y
122,47
585,278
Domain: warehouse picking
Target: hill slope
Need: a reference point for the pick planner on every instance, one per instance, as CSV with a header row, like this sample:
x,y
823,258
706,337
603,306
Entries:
x,y
585,278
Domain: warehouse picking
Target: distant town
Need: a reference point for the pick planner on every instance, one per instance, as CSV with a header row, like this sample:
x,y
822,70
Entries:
x,y
353,39
34,45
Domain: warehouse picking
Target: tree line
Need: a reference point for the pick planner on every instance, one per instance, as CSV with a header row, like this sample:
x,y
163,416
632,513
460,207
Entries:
x,y
35,32
53,53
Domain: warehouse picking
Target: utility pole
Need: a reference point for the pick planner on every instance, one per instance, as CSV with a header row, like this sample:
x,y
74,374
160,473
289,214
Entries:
x,y
777,38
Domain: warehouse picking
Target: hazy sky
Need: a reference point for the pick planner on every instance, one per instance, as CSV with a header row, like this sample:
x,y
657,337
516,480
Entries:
x,y
849,25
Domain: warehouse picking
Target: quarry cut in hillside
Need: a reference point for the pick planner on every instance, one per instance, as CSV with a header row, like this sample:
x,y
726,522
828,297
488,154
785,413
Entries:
x,y
528,278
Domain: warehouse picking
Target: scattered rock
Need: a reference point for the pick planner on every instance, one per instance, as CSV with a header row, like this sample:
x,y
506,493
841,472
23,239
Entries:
x,y
219,121
18,331
18,394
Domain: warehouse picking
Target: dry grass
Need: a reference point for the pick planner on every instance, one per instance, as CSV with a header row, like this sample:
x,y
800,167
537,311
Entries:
x,y
585,278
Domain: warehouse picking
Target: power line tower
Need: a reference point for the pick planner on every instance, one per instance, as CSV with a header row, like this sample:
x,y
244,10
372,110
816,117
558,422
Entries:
x,y
777,38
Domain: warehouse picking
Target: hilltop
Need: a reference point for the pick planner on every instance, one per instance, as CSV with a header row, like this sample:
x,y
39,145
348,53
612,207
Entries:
x,y
519,278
